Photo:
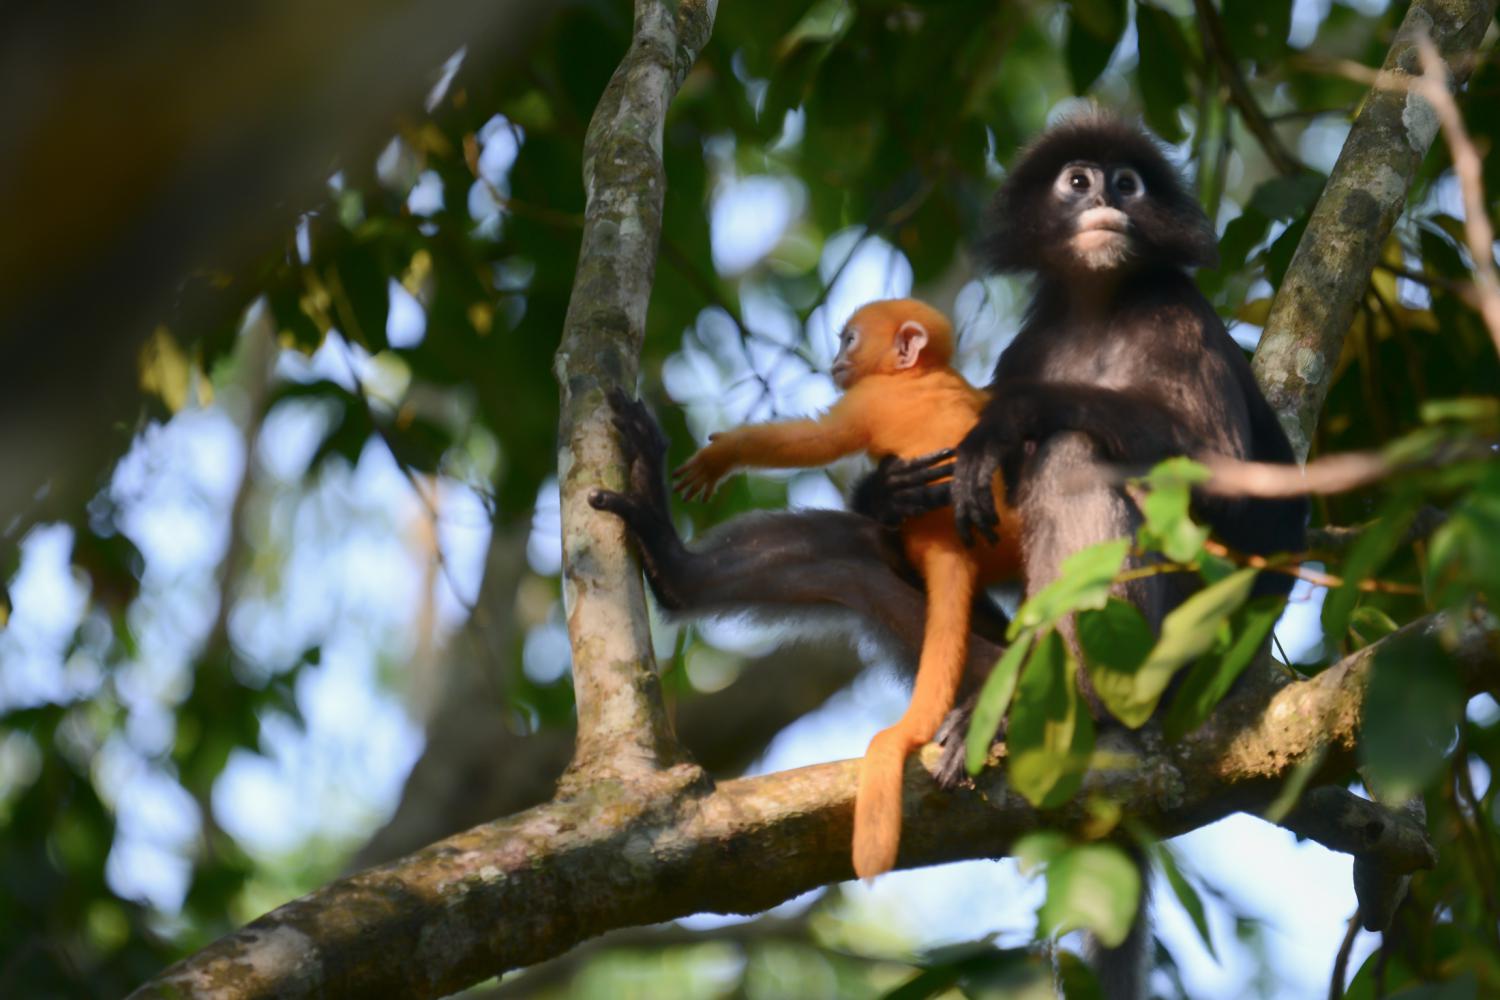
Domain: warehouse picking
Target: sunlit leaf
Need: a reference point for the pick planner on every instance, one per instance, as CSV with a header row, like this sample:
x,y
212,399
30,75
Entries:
x,y
994,700
1050,734
1094,887
1210,679
1083,583
1186,633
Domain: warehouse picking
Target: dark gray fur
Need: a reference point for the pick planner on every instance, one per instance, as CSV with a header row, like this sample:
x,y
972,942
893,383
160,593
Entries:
x,y
1129,366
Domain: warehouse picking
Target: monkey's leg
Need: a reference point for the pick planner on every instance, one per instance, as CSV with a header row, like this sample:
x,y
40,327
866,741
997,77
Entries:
x,y
950,573
1058,518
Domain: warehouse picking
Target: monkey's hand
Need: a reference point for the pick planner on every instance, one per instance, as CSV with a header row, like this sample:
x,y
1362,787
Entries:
x,y
698,477
980,455
902,488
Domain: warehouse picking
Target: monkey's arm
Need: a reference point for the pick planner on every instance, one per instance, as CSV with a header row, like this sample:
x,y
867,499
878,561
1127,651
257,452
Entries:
x,y
791,444
1125,426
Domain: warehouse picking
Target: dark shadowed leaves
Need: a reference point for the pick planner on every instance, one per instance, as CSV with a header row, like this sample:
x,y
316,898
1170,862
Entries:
x,y
1213,675
1093,32
1412,707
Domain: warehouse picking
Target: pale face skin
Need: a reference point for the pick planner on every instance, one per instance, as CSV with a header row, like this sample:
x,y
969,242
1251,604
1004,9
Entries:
x,y
1102,238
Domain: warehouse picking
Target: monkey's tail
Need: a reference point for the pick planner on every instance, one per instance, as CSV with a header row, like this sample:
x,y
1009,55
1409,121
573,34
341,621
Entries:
x,y
1122,971
877,805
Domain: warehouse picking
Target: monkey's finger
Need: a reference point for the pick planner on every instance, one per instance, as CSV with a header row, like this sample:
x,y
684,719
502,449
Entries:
x,y
918,500
934,458
904,476
970,510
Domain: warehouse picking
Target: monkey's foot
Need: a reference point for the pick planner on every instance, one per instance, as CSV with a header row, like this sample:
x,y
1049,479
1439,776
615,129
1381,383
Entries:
x,y
644,446
952,736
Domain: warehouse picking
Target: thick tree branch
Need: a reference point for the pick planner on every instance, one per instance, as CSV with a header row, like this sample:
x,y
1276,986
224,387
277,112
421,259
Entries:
x,y
1304,332
517,891
622,726
476,767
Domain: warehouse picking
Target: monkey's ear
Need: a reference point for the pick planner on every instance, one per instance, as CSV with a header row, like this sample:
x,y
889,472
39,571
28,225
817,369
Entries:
x,y
911,337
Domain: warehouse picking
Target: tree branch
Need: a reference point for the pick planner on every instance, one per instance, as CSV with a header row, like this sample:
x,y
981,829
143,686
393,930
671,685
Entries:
x,y
1304,332
1216,42
622,725
519,890
477,767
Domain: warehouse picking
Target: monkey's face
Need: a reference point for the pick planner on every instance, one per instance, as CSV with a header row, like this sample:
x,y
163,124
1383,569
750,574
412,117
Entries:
x,y
1095,197
1092,203
847,363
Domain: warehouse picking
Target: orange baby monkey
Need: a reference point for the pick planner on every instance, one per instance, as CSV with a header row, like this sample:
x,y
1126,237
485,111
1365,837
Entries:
x,y
903,398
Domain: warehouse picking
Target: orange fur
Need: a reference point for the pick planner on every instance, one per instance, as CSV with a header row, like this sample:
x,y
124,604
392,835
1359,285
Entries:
x,y
908,403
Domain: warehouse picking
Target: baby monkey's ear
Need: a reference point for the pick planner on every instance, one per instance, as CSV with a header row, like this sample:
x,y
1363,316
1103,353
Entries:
x,y
910,338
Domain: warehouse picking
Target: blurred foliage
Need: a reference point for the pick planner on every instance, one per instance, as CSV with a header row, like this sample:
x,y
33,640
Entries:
x,y
882,125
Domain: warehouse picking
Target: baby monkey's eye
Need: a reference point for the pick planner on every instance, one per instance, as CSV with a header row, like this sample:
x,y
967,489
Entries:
x,y
1078,180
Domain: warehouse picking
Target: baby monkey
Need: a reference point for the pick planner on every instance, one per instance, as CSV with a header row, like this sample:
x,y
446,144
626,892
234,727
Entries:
x,y
902,398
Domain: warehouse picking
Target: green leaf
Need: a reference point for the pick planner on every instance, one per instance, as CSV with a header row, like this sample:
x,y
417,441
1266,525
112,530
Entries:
x,y
1010,966
1288,198
1212,676
1050,737
1259,28
1183,889
1412,708
1370,624
1374,547
1463,556
1083,583
1036,850
361,297
994,699
1093,887
1187,632
1168,525
1279,255
825,21
1161,70
1481,410
1116,636
1093,32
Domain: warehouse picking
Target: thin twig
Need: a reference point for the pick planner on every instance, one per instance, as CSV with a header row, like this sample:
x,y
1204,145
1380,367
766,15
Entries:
x,y
1478,230
1291,566
1463,290
1216,41
1330,474
1341,962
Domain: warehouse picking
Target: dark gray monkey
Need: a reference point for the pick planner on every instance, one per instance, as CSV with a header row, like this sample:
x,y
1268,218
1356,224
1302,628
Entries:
x,y
1120,360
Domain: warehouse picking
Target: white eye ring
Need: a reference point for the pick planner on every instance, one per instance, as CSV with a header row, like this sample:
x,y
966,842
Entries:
x,y
1128,183
1073,180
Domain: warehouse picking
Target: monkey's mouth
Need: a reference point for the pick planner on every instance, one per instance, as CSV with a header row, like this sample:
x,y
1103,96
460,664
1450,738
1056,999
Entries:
x,y
840,373
1103,220
1101,229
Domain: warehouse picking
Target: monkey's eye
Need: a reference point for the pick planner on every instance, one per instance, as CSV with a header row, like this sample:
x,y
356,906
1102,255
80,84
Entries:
x,y
1074,180
1128,183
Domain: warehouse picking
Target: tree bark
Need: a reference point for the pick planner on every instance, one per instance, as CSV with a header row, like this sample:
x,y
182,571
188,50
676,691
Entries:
x,y
1330,270
522,889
